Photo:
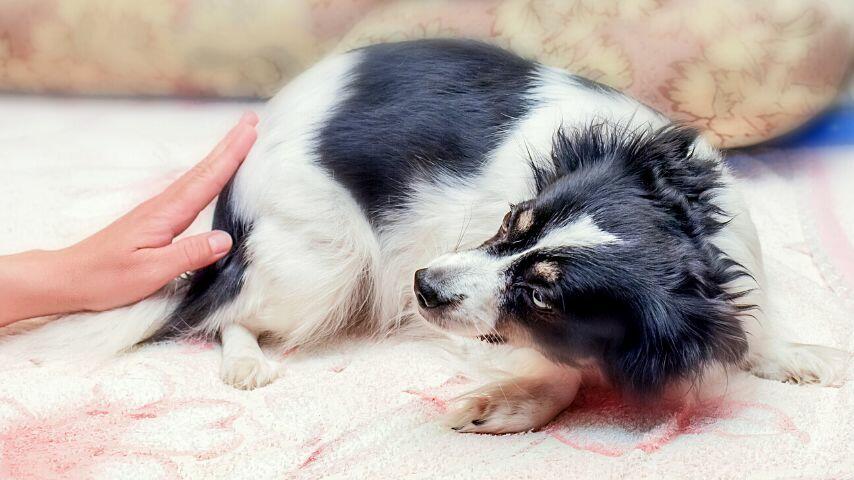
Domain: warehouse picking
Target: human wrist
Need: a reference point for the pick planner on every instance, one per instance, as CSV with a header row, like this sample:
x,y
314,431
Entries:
x,y
68,274
37,283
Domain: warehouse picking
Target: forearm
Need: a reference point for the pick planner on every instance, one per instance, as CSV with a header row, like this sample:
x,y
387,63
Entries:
x,y
34,284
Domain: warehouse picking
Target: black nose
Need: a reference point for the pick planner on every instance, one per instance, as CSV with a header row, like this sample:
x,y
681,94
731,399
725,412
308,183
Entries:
x,y
426,292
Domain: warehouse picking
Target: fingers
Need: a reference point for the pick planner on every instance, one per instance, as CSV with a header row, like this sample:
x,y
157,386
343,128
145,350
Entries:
x,y
249,118
190,194
191,253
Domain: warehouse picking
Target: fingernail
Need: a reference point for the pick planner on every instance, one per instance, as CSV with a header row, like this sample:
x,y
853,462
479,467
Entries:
x,y
219,241
249,117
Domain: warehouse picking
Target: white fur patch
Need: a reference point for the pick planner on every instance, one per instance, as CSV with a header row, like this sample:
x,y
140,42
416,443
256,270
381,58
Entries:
x,y
581,233
310,244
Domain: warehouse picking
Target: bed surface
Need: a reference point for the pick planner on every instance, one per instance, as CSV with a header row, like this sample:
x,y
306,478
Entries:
x,y
69,167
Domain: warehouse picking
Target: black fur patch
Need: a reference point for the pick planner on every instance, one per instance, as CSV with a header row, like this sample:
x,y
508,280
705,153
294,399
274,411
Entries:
x,y
215,285
420,109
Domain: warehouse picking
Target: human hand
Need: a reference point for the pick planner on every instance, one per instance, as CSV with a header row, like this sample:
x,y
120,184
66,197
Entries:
x,y
134,256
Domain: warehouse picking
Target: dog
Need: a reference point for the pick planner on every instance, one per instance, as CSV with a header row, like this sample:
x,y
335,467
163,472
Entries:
x,y
453,182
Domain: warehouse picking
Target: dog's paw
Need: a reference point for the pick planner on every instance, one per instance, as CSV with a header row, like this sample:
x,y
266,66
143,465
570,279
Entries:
x,y
506,408
800,364
248,373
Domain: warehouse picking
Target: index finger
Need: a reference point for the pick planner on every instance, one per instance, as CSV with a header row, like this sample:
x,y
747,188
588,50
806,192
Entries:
x,y
247,118
194,190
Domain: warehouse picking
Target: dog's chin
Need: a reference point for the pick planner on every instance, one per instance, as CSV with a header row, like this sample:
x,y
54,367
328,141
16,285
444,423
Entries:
x,y
441,321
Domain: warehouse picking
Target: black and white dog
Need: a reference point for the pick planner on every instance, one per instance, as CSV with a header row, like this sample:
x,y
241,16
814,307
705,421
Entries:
x,y
375,196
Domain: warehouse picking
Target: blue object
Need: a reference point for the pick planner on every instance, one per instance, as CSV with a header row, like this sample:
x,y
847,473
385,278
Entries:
x,y
835,127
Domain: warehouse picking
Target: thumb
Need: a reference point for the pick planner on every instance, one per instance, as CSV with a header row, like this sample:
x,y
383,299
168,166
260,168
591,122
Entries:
x,y
193,253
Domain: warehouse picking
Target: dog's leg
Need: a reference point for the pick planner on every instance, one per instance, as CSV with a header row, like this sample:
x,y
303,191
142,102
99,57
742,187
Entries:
x,y
769,356
243,363
530,399
776,359
772,357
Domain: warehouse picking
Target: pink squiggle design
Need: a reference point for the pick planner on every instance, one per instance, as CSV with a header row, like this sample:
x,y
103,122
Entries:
x,y
319,447
440,405
598,408
431,396
832,237
73,443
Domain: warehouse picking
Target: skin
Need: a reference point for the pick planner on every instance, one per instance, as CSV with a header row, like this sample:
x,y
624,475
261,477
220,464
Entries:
x,y
134,256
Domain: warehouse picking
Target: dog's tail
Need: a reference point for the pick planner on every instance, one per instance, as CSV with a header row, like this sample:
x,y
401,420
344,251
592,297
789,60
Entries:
x,y
180,309
92,336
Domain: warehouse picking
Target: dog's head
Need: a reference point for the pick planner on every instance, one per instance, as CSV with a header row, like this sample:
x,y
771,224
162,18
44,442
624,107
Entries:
x,y
610,262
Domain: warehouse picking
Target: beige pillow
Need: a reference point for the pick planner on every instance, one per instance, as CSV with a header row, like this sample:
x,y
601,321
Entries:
x,y
741,71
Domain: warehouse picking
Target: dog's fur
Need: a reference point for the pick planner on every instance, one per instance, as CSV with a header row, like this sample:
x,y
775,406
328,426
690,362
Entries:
x,y
624,247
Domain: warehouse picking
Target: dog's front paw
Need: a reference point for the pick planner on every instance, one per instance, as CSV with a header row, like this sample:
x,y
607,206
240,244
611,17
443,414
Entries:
x,y
507,408
248,373
800,364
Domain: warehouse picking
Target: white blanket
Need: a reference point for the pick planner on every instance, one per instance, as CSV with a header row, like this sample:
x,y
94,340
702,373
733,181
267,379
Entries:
x,y
67,167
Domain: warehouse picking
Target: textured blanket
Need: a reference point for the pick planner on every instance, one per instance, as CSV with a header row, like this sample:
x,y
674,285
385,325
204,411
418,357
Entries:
x,y
67,167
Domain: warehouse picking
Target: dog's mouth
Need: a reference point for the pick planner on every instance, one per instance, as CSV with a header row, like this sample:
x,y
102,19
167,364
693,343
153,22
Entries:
x,y
438,318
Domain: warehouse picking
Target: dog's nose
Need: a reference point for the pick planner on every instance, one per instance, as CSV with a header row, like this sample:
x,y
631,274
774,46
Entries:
x,y
426,292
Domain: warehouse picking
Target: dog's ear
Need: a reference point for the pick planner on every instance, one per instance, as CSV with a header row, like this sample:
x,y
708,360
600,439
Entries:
x,y
674,338
681,179
666,155
664,158
664,150
646,331
681,332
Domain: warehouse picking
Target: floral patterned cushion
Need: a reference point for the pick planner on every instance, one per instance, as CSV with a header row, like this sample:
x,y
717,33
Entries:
x,y
741,71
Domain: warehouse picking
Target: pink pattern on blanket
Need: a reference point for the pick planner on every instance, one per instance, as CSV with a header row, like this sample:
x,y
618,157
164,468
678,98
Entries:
x,y
321,444
829,230
434,396
88,438
601,422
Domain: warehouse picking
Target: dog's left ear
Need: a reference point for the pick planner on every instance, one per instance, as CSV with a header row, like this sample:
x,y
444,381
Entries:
x,y
682,178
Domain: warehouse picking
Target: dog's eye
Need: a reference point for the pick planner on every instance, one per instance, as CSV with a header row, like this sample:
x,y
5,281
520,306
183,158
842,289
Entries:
x,y
539,300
